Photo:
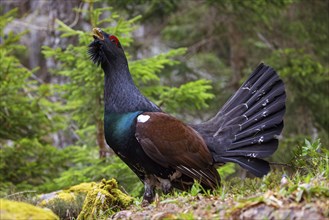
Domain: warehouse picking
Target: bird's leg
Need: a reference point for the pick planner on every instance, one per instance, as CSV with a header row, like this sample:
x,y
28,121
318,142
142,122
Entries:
x,y
149,194
165,185
149,190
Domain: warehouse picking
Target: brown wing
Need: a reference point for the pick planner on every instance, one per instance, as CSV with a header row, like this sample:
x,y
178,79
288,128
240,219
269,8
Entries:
x,y
171,143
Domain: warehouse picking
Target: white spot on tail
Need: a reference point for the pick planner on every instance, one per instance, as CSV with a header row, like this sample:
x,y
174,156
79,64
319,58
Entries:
x,y
265,103
252,155
261,140
143,118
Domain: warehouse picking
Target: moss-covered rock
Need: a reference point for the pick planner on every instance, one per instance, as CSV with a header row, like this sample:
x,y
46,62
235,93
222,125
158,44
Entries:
x,y
91,200
66,196
104,199
66,203
20,210
82,188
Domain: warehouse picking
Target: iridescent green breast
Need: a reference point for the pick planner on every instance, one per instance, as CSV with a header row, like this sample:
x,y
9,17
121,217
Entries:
x,y
120,128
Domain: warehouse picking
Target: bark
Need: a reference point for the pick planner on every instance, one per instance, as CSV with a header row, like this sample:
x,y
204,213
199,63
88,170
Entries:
x,y
101,140
237,53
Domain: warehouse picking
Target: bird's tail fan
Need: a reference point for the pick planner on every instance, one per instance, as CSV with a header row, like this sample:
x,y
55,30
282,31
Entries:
x,y
247,126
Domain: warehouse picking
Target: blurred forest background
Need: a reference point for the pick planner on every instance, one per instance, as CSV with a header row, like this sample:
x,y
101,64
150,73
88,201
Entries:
x,y
187,56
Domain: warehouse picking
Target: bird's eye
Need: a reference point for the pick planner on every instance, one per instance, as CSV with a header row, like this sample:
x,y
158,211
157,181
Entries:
x,y
115,40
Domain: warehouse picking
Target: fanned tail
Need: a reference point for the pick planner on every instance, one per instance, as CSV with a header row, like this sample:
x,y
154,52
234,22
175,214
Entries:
x,y
247,126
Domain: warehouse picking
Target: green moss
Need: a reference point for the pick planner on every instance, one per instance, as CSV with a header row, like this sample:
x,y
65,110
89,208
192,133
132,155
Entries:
x,y
61,195
104,199
20,210
91,200
69,202
68,195
81,188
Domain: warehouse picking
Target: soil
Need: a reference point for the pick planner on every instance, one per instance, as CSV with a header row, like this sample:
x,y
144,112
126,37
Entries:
x,y
212,207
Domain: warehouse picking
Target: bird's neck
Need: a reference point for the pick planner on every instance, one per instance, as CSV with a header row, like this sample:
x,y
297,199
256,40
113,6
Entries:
x,y
120,93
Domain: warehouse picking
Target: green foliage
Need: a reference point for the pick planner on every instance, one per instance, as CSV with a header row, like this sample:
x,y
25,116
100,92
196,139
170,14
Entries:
x,y
307,84
86,167
150,9
285,152
225,15
8,43
28,163
312,158
191,95
196,189
188,96
307,103
146,70
25,106
226,170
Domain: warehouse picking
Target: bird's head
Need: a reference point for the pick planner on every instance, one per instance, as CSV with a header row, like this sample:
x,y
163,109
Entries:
x,y
105,48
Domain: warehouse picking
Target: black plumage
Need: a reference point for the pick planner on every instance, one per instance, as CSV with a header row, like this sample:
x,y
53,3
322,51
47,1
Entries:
x,y
164,152
248,125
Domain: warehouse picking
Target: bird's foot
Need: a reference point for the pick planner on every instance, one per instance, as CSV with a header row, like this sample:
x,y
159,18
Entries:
x,y
145,203
148,198
149,195
165,186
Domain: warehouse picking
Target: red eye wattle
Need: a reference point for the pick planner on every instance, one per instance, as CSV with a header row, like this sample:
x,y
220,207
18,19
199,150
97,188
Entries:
x,y
115,40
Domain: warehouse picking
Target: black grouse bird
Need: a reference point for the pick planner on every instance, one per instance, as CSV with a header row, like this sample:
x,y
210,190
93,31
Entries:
x,y
166,153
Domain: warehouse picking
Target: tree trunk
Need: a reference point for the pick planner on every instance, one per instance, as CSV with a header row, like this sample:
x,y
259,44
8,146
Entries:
x,y
237,53
101,139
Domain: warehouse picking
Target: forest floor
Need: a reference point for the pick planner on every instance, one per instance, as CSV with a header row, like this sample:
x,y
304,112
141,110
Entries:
x,y
298,191
212,207
289,201
294,193
274,197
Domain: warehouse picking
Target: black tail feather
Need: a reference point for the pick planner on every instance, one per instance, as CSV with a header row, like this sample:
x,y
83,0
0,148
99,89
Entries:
x,y
256,166
247,126
248,142
257,150
257,78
